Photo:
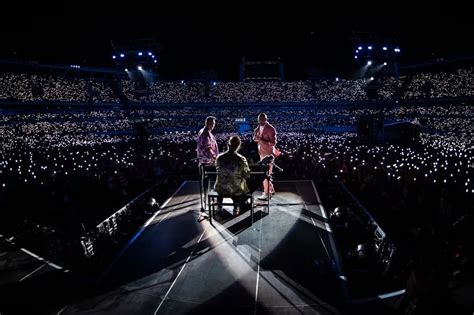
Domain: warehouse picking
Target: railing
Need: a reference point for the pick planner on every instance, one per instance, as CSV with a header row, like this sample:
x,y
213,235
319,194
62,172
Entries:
x,y
379,233
110,225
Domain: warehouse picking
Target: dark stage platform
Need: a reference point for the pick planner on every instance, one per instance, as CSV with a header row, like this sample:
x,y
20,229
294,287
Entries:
x,y
179,263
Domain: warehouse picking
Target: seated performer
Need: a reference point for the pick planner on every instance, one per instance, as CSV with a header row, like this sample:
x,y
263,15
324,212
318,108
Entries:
x,y
232,171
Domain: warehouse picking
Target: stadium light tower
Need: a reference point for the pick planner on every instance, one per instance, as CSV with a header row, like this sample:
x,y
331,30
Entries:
x,y
378,52
136,53
373,54
139,59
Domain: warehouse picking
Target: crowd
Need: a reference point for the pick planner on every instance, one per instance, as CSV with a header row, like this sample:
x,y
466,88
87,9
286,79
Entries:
x,y
54,88
419,86
57,88
55,152
440,85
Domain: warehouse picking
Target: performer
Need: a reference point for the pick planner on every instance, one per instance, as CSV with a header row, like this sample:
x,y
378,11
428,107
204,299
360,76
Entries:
x,y
207,152
266,137
232,172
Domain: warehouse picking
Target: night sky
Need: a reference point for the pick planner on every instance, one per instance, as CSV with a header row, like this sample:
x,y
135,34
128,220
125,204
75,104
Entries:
x,y
217,36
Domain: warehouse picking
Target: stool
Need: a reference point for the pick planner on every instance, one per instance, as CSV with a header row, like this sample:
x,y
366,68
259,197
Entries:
x,y
212,202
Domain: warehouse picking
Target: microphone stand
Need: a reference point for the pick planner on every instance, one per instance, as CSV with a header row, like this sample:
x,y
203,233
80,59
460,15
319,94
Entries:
x,y
269,178
201,188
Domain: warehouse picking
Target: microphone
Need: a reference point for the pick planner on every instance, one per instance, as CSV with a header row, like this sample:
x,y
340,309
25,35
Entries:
x,y
278,168
267,160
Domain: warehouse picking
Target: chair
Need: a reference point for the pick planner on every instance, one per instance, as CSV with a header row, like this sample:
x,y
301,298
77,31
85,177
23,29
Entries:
x,y
212,202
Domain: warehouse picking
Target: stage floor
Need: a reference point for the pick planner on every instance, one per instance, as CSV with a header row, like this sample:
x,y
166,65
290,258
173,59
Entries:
x,y
179,263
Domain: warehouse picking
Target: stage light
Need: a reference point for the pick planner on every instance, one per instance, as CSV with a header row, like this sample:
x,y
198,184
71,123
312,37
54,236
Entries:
x,y
140,68
149,53
122,55
360,47
384,63
371,78
140,53
155,61
384,48
370,47
337,79
126,70
369,63
113,57
214,83
355,57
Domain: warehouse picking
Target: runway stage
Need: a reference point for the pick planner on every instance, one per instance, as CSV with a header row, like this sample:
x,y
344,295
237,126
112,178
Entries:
x,y
286,262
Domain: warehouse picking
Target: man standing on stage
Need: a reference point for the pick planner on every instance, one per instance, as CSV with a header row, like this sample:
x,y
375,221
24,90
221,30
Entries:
x,y
265,136
207,152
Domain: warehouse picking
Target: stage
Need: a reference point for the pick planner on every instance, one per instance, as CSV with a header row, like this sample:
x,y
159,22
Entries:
x,y
179,263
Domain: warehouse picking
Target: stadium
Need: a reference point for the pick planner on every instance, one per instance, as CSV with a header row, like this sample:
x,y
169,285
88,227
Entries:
x,y
103,201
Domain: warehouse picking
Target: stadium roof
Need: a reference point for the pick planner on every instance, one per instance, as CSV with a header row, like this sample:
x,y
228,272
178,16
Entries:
x,y
209,37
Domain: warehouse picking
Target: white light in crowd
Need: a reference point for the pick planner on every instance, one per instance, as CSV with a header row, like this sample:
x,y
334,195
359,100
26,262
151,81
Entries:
x,y
140,68
149,54
371,78
122,55
370,47
369,63
113,57
360,47
126,70
384,48
140,53
155,61
337,79
384,63
355,57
